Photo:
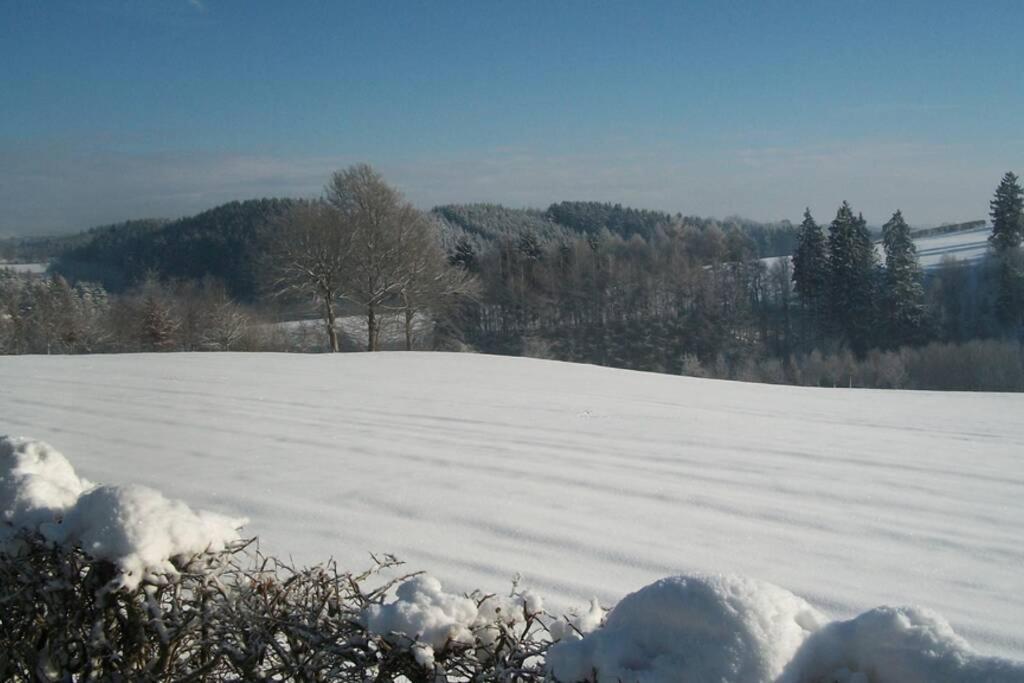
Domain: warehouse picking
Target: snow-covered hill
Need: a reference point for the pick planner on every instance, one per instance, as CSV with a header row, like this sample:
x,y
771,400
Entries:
x,y
587,480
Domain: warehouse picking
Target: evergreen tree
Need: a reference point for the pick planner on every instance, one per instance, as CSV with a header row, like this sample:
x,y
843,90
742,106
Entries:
x,y
810,267
904,290
1007,211
852,273
529,246
464,255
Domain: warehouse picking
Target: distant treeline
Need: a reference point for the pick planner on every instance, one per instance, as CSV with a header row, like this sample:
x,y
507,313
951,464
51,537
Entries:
x,y
39,249
580,281
222,243
483,226
226,242
696,299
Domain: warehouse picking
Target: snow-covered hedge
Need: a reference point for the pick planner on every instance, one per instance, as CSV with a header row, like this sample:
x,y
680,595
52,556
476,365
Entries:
x,y
134,527
103,582
730,629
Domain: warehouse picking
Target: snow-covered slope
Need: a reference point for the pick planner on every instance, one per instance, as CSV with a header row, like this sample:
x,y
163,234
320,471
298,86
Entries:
x,y
966,245
587,480
969,246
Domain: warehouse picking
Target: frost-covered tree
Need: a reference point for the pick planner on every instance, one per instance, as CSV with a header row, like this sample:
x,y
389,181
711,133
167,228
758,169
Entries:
x,y
48,315
84,317
159,323
852,278
10,293
904,291
210,319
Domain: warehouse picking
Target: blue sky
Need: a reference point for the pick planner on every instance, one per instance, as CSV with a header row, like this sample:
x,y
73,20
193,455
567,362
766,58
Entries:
x,y
115,109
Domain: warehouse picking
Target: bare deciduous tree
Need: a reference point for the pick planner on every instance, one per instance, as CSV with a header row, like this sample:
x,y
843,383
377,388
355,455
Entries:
x,y
364,244
378,220
390,243
309,251
433,284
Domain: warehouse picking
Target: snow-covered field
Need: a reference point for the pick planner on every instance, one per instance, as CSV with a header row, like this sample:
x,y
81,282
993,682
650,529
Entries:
x,y
967,245
587,480
32,268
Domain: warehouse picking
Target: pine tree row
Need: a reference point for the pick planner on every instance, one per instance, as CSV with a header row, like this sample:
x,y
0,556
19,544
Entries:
x,y
847,294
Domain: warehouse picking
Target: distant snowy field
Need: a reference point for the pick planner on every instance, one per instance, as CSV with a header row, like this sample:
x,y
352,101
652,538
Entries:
x,y
32,268
587,480
969,246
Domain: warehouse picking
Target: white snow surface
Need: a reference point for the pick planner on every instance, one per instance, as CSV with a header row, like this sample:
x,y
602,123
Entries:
x,y
133,526
589,481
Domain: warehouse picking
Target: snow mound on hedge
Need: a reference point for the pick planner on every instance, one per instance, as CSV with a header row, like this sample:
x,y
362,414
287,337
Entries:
x,y
134,527
423,612
692,628
37,483
728,629
141,531
577,624
895,645
432,620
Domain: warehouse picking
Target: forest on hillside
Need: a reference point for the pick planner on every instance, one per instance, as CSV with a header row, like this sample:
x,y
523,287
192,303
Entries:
x,y
580,281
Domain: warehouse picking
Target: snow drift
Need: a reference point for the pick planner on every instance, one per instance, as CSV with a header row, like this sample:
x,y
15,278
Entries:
x,y
134,527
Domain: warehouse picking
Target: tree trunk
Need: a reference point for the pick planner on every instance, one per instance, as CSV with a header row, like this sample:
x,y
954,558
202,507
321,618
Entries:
x,y
332,332
408,329
371,329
